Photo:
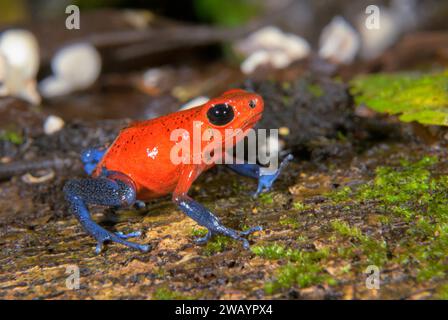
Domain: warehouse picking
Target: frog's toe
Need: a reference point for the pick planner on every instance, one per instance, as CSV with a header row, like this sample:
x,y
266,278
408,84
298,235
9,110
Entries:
x,y
267,179
241,235
247,232
128,235
139,205
251,230
205,239
261,188
119,237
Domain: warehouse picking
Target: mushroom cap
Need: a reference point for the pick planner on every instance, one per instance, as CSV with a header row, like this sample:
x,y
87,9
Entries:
x,y
78,64
21,51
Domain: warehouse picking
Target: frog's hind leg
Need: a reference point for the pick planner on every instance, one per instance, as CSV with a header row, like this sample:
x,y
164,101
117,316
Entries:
x,y
110,189
91,157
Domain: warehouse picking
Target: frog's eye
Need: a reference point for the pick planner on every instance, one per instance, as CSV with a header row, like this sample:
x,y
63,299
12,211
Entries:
x,y
252,103
220,114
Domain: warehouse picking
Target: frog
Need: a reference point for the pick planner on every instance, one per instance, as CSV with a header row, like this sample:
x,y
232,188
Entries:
x,y
138,166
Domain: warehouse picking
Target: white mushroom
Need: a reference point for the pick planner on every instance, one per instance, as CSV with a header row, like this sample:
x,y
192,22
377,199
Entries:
x,y
271,46
21,51
53,124
339,42
19,64
75,67
258,58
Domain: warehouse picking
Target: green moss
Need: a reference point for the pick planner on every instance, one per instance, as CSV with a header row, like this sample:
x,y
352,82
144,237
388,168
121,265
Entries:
x,y
164,293
409,194
198,232
345,230
266,198
375,251
414,97
300,206
386,220
302,275
217,244
272,252
290,222
11,136
303,269
341,195
315,90
442,292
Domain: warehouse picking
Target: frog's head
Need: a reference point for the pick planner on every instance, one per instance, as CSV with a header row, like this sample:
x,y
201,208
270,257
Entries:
x,y
234,109
233,114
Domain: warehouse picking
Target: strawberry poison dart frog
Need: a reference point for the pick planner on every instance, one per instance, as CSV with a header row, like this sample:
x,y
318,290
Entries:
x,y
138,166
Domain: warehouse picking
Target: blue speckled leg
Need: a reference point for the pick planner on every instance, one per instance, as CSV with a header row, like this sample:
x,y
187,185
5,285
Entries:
x,y
111,189
205,218
265,178
91,157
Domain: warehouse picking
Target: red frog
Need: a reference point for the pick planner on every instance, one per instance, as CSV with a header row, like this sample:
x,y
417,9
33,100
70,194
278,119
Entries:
x,y
139,165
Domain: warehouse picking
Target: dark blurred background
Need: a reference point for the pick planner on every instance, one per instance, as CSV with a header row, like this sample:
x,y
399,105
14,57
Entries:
x,y
193,42
305,17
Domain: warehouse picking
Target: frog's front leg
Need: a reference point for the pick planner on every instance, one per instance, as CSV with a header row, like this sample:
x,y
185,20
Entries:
x,y
199,213
266,177
110,189
91,157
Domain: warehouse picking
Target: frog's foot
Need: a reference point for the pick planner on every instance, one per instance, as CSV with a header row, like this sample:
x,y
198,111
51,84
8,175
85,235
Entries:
x,y
91,157
237,235
114,190
267,178
101,235
205,218
205,239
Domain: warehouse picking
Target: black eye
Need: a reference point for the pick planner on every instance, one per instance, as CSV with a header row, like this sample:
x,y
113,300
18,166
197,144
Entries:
x,y
220,114
252,104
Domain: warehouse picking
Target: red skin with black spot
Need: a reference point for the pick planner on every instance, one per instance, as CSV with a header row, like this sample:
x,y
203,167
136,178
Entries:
x,y
142,150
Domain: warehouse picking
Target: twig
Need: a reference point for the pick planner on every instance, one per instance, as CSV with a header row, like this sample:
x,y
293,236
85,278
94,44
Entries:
x,y
20,167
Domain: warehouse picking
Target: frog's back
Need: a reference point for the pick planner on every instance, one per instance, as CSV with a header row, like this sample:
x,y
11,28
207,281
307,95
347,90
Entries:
x,y
142,151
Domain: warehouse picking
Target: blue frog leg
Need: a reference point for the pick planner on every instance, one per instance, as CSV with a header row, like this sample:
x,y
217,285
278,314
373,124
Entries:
x,y
110,189
199,213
